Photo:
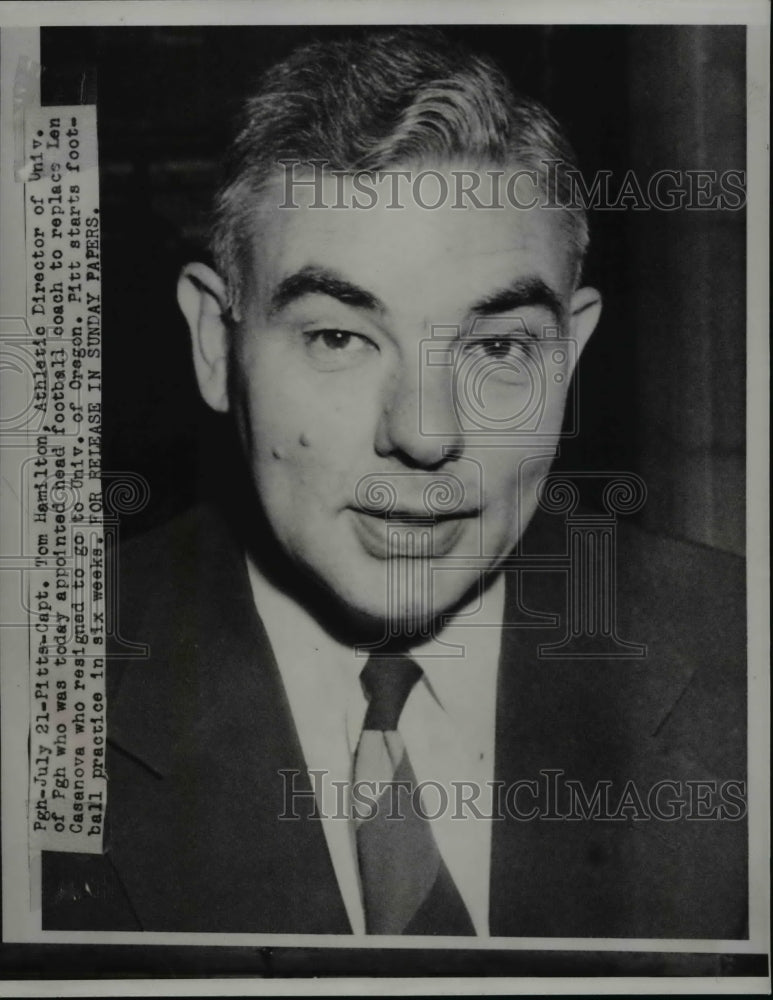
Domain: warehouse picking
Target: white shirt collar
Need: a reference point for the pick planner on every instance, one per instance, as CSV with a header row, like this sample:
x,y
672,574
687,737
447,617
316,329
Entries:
x,y
458,664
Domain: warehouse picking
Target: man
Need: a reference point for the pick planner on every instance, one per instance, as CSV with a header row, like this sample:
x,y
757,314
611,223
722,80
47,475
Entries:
x,y
361,710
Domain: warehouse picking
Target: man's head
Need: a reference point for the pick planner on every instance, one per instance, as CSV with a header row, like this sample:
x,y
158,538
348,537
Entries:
x,y
392,328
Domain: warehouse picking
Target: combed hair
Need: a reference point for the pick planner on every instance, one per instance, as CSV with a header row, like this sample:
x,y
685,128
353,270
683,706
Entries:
x,y
391,98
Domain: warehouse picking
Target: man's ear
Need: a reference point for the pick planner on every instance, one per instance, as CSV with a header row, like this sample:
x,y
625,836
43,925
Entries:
x,y
584,313
201,295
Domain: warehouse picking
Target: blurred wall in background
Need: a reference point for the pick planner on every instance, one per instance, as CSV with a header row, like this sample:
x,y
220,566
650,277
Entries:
x,y
688,299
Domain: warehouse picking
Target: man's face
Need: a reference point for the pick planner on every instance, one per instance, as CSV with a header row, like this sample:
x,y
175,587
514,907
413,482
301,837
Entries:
x,y
391,365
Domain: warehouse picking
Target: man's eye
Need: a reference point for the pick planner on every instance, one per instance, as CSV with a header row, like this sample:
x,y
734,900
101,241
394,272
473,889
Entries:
x,y
508,360
336,340
510,349
331,350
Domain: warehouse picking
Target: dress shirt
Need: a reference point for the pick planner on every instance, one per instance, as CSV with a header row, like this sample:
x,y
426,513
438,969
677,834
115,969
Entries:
x,y
447,726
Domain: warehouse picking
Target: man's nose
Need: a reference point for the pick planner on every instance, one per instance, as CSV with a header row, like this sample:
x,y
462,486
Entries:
x,y
419,422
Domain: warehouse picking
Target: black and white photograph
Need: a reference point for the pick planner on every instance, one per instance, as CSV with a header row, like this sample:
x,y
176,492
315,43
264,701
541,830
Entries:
x,y
384,524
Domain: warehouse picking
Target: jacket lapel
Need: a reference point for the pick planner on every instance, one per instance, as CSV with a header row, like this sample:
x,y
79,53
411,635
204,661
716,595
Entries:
x,y
197,792
611,721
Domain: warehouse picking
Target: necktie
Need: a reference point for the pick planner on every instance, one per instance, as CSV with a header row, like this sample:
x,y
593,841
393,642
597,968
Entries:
x,y
407,888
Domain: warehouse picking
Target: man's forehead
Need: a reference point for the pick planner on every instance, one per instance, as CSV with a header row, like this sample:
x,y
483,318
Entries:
x,y
384,235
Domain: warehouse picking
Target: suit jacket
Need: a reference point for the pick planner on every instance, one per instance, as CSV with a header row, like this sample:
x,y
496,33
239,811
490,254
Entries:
x,y
200,728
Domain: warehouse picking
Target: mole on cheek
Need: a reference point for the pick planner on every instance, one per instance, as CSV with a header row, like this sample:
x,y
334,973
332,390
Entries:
x,y
277,452
303,440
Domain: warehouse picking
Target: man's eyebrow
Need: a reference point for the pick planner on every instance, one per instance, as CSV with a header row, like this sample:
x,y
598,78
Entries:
x,y
522,292
321,281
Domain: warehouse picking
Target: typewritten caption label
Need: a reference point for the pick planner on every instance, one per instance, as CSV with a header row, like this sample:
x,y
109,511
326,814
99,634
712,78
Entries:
x,y
67,780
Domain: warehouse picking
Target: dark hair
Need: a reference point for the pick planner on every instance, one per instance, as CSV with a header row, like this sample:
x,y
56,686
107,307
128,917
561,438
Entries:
x,y
368,104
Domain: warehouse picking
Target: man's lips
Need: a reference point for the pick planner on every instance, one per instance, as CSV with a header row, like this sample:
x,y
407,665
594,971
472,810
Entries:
x,y
415,516
409,534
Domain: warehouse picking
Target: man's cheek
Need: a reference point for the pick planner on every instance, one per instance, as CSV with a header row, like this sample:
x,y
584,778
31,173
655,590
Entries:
x,y
510,492
296,467
296,446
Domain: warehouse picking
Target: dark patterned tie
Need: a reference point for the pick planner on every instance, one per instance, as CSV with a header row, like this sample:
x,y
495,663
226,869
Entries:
x,y
407,888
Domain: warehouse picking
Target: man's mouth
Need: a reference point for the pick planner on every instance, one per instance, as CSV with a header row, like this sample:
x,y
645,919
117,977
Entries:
x,y
408,534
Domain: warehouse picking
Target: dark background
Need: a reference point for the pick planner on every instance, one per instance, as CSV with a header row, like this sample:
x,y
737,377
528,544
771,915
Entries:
x,y
661,385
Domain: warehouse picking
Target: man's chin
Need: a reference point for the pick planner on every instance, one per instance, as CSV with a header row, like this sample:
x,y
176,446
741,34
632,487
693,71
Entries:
x,y
397,617
358,597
